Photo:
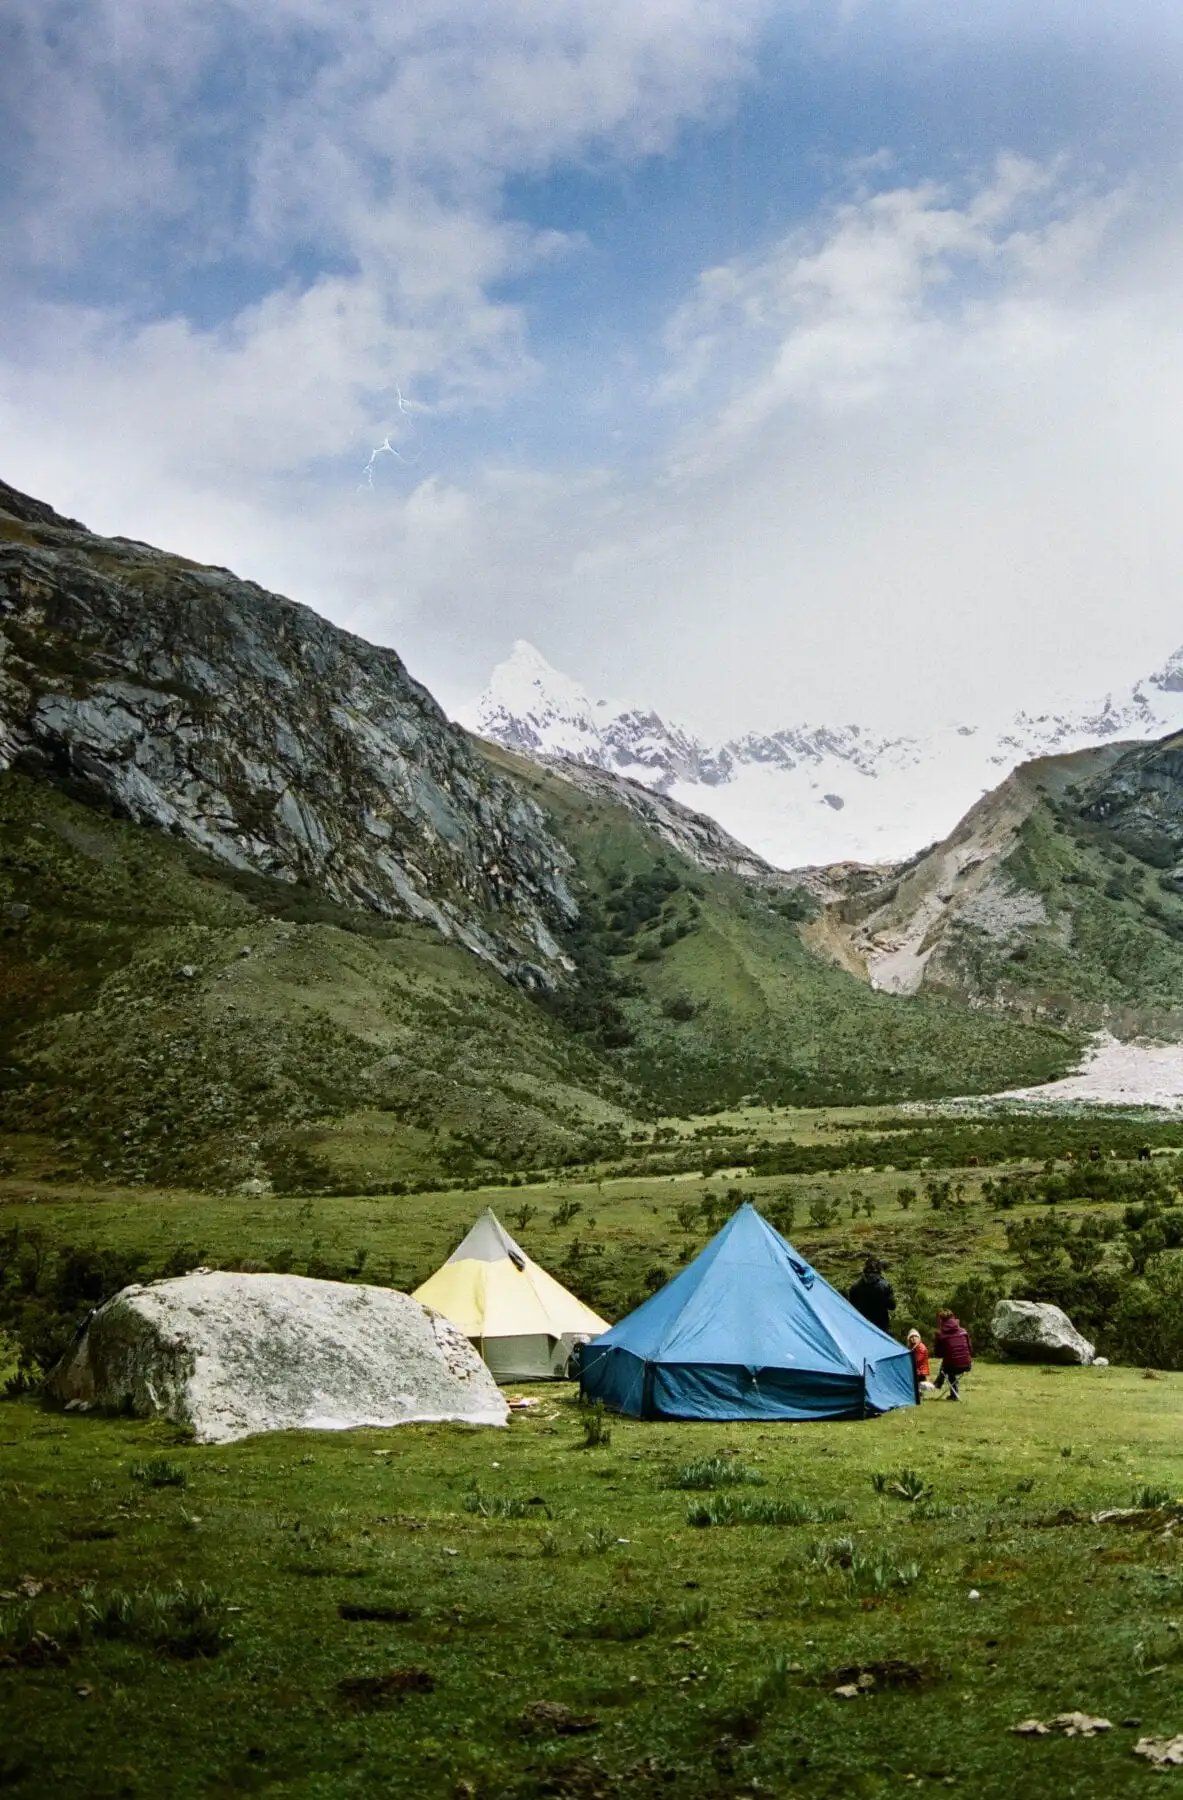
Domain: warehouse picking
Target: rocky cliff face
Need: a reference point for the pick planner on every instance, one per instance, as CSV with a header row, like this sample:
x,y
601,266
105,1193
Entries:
x,y
1141,804
183,697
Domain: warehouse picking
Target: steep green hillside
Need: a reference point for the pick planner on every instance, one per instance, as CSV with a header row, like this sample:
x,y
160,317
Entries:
x,y
1057,899
166,1018
268,917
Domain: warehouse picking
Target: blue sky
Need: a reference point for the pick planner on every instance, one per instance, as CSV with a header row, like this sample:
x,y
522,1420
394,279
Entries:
x,y
767,361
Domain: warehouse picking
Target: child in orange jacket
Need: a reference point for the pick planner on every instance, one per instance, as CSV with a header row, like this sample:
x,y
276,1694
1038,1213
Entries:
x,y
919,1351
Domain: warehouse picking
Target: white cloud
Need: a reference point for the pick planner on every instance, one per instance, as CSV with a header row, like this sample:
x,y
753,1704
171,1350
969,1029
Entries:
x,y
924,447
377,136
929,469
831,314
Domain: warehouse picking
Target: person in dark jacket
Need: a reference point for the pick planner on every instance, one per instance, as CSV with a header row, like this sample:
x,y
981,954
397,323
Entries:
x,y
952,1344
873,1295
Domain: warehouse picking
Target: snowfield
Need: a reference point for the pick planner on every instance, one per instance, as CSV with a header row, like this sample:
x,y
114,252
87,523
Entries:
x,y
810,794
1117,1074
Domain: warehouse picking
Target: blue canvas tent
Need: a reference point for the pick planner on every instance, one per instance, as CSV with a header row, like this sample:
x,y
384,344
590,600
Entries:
x,y
748,1331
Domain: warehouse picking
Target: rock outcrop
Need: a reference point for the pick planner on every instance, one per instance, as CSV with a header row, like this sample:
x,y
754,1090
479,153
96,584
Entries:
x,y
183,697
1035,1331
1141,805
232,1355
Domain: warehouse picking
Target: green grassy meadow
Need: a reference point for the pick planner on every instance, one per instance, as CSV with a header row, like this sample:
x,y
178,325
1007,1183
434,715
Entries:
x,y
203,1067
385,1607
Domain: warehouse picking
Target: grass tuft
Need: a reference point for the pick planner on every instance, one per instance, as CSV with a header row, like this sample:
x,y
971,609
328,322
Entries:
x,y
626,1625
505,1506
733,1509
183,1622
901,1484
598,1541
159,1472
714,1472
861,1570
1152,1497
597,1432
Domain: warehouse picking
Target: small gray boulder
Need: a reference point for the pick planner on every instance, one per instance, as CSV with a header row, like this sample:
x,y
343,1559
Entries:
x,y
1036,1331
235,1354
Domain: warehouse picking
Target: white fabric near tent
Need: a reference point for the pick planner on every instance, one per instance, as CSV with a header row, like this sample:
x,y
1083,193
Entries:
x,y
524,1323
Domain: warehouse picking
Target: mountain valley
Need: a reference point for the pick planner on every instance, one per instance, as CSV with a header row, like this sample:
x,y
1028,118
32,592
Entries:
x,y
267,917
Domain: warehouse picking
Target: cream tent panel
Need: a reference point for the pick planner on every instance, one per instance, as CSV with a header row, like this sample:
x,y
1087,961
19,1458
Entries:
x,y
523,1321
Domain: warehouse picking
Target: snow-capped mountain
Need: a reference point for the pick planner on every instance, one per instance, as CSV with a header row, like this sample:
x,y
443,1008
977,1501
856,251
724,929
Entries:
x,y
809,794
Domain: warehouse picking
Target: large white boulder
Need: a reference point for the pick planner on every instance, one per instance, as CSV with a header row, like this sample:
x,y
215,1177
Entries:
x,y
231,1355
1036,1331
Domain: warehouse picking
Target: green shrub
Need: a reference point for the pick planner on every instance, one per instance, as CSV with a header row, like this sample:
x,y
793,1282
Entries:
x,y
597,1432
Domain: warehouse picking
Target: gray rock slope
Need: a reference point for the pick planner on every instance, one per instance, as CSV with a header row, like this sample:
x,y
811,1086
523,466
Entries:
x,y
183,697
232,1355
1141,804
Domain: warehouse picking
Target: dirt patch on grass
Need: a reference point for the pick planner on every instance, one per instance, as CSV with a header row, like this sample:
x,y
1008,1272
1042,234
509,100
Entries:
x,y
550,1718
891,1672
367,1693
378,1615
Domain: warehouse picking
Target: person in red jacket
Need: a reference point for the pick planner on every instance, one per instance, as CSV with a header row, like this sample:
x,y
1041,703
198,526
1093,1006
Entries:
x,y
919,1349
952,1344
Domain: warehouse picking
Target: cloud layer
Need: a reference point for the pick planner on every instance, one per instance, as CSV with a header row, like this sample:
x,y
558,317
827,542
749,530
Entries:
x,y
912,454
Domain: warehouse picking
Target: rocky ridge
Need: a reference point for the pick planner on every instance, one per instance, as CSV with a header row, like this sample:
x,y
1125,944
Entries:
x,y
178,695
1059,897
693,834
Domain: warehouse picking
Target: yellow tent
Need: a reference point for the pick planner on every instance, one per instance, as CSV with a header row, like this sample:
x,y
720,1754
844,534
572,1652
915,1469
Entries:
x,y
522,1321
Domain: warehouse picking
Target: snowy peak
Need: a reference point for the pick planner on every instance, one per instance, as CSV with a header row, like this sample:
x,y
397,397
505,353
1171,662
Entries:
x,y
532,707
810,794
1170,677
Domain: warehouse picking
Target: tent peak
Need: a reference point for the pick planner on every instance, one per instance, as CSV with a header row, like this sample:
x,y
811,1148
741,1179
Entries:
x,y
488,1241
